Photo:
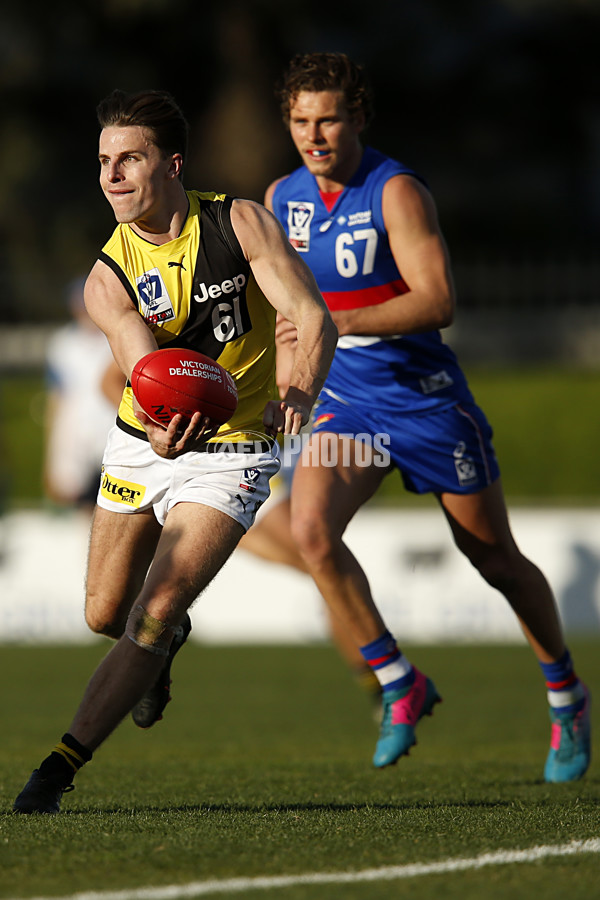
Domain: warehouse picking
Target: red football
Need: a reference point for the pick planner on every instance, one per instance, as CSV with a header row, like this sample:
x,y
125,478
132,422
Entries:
x,y
171,381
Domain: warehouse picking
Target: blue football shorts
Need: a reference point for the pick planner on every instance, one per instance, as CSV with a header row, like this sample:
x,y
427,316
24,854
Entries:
x,y
446,451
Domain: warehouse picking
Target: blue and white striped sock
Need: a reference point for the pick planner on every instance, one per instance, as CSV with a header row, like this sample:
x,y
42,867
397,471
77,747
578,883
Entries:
x,y
392,669
565,691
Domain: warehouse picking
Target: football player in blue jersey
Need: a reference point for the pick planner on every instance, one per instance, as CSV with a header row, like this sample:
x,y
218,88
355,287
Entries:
x,y
368,228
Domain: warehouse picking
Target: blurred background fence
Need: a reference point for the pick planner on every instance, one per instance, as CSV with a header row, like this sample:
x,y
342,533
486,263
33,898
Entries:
x,y
509,313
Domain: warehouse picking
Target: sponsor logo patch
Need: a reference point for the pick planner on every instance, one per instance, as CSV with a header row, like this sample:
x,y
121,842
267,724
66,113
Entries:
x,y
249,480
206,292
436,382
465,467
155,303
127,492
300,216
360,218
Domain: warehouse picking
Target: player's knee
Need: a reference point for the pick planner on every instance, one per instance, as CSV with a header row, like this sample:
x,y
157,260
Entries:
x,y
103,624
500,571
313,539
149,633
102,616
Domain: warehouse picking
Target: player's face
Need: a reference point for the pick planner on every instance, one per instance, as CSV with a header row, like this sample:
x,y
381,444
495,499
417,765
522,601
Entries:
x,y
134,174
325,135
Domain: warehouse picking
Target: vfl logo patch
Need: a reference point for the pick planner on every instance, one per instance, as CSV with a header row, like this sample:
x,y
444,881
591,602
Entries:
x,y
118,491
155,303
322,420
299,218
249,480
465,467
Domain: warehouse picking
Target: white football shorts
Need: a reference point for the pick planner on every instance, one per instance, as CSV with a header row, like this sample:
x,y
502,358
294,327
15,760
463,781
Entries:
x,y
134,478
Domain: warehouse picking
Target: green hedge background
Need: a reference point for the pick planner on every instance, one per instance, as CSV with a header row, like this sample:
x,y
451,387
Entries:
x,y
546,433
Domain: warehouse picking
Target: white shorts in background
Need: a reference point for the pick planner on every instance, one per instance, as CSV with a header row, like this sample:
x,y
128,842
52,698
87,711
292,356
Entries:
x,y
134,478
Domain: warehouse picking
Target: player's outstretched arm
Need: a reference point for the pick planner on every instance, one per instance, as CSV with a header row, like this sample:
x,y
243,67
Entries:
x,y
288,284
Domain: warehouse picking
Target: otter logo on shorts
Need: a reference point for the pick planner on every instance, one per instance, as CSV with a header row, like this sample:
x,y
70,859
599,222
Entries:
x,y
126,492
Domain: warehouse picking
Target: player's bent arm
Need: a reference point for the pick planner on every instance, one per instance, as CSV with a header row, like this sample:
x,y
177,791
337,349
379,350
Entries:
x,y
422,258
288,284
110,307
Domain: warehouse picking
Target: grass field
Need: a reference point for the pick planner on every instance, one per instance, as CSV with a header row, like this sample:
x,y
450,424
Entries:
x,y
261,767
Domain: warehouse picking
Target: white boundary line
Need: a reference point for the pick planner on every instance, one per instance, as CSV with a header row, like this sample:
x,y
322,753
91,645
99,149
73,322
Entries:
x,y
386,873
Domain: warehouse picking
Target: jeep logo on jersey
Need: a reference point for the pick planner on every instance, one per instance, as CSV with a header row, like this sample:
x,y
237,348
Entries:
x,y
217,290
155,303
300,216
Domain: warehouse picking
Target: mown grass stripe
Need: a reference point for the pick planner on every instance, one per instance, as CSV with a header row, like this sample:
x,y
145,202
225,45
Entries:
x,y
386,873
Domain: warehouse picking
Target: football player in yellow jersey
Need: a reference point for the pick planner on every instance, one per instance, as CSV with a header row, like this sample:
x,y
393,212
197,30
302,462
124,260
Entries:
x,y
149,559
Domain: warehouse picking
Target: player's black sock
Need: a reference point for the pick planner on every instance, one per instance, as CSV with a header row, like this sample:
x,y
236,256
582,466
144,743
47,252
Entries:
x,y
65,760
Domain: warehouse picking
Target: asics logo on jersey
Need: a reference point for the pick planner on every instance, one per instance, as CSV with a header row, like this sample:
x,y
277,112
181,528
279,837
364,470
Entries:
x,y
212,291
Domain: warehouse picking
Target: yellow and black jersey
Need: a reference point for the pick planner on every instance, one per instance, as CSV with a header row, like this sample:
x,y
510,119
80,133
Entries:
x,y
198,292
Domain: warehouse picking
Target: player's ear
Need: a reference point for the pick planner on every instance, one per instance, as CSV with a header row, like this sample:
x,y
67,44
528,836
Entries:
x,y
175,166
359,121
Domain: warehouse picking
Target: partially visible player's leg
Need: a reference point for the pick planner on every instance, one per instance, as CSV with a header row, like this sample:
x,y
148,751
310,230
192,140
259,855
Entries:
x,y
125,530
195,542
121,549
361,670
112,589
481,529
271,538
324,500
204,514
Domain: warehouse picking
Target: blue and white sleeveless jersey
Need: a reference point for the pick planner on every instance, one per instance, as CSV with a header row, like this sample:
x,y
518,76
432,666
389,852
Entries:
x,y
348,251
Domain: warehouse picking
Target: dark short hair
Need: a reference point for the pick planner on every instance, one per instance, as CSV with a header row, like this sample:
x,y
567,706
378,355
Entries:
x,y
326,72
155,110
